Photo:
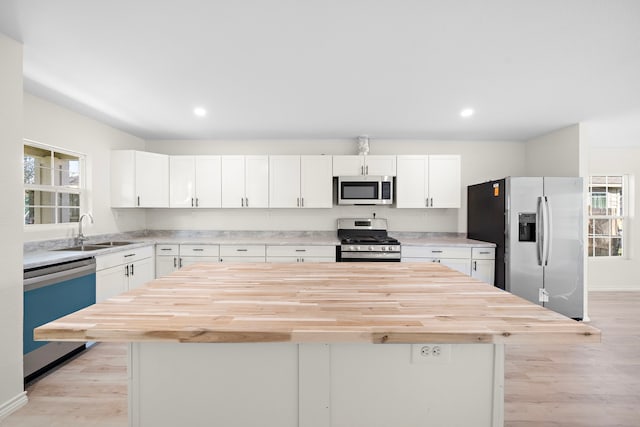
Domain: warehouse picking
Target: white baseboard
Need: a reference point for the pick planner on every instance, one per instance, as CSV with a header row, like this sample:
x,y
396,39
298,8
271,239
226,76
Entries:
x,y
12,405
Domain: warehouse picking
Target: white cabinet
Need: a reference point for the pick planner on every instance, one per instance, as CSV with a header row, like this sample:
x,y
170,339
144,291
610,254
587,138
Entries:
x,y
242,253
364,165
167,259
300,182
301,253
122,271
455,257
428,181
483,264
139,179
194,182
196,253
477,262
245,181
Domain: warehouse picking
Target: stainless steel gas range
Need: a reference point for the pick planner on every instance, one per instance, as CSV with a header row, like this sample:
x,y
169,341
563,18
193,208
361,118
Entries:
x,y
366,240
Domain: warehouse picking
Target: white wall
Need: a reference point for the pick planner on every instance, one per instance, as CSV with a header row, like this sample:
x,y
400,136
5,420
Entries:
x,y
11,388
481,161
51,124
554,154
612,151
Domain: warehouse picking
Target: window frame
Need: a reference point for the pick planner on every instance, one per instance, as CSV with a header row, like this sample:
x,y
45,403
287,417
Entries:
x,y
57,190
624,217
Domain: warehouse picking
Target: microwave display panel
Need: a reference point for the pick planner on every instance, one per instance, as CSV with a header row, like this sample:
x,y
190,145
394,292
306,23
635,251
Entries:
x,y
359,190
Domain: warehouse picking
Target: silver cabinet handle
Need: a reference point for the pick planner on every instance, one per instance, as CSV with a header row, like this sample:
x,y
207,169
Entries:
x,y
302,202
132,270
246,202
241,250
301,250
475,265
166,249
426,202
242,202
361,170
436,252
126,271
298,202
180,263
366,170
192,202
197,202
175,262
197,249
138,200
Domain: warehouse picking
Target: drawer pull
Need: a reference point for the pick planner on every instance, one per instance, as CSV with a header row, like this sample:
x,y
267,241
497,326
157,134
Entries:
x,y
436,252
485,253
241,250
301,250
166,249
128,255
197,249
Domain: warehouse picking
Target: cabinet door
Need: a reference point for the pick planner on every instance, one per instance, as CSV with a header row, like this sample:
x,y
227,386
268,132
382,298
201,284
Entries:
x,y
461,265
483,269
208,182
122,170
188,260
380,165
166,265
110,282
284,181
348,165
257,181
316,182
411,181
182,181
232,178
141,272
444,181
152,179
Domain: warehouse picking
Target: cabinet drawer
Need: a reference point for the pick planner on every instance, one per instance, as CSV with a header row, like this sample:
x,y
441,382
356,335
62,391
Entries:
x,y
436,252
123,257
199,250
483,253
301,251
242,250
167,249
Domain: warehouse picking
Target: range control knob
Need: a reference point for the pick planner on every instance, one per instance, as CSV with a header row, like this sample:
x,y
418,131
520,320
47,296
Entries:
x,y
352,248
370,248
382,248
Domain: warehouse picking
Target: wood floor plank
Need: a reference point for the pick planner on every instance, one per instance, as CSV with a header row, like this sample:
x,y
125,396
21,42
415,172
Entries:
x,y
590,385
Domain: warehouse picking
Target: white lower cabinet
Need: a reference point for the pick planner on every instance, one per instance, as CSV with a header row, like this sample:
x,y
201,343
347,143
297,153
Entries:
x,y
167,259
122,271
483,264
290,253
192,254
242,253
474,262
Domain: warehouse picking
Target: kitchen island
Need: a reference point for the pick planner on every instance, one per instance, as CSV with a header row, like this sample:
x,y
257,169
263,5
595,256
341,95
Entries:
x,y
345,344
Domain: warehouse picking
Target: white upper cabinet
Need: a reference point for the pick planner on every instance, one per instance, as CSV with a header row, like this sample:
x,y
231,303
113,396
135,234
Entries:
x,y
300,182
316,182
245,181
428,181
194,181
364,165
139,179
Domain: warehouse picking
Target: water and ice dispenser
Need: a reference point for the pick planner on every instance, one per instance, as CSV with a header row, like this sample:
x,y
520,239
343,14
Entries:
x,y
527,227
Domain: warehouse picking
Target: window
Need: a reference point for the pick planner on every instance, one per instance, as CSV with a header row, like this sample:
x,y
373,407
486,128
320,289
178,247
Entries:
x,y
52,184
607,215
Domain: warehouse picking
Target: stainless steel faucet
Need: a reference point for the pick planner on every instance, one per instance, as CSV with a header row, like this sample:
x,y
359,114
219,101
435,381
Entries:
x,y
81,237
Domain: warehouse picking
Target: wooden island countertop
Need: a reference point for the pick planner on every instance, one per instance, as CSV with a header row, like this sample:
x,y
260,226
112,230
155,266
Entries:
x,y
318,303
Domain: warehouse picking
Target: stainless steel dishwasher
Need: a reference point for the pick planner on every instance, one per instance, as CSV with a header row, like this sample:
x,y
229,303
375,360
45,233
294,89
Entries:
x,y
51,292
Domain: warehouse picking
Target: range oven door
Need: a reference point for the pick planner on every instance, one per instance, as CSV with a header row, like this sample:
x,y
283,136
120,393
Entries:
x,y
346,256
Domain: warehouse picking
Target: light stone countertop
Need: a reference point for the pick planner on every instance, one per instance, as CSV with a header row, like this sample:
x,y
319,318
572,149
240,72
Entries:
x,y
39,254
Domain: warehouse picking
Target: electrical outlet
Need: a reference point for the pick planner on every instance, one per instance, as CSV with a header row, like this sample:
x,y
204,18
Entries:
x,y
430,353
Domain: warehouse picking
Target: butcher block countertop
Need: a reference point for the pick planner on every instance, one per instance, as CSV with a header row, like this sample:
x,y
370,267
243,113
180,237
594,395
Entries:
x,y
323,302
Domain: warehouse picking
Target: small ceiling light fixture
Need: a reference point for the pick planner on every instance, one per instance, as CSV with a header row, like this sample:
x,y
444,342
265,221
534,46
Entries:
x,y
467,112
199,111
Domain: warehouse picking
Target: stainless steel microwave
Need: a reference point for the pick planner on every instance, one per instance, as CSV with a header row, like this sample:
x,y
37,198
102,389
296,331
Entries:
x,y
365,190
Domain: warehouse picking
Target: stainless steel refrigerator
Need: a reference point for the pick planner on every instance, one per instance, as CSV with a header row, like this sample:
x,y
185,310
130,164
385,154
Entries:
x,y
537,226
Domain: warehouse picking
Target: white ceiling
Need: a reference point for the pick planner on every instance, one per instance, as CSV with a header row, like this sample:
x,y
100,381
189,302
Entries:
x,y
332,68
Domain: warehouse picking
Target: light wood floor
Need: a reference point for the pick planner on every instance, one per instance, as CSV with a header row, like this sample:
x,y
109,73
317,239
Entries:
x,y
568,386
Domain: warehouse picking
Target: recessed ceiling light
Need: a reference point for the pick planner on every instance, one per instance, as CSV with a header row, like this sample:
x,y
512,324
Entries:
x,y
199,111
467,112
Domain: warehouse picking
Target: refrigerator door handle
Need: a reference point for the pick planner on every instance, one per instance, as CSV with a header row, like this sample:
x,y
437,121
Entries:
x,y
548,228
540,231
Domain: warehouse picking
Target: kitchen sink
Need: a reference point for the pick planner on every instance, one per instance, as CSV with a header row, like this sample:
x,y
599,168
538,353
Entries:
x,y
83,248
113,243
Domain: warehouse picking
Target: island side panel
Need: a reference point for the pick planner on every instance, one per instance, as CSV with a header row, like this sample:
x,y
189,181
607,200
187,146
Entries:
x,y
314,385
